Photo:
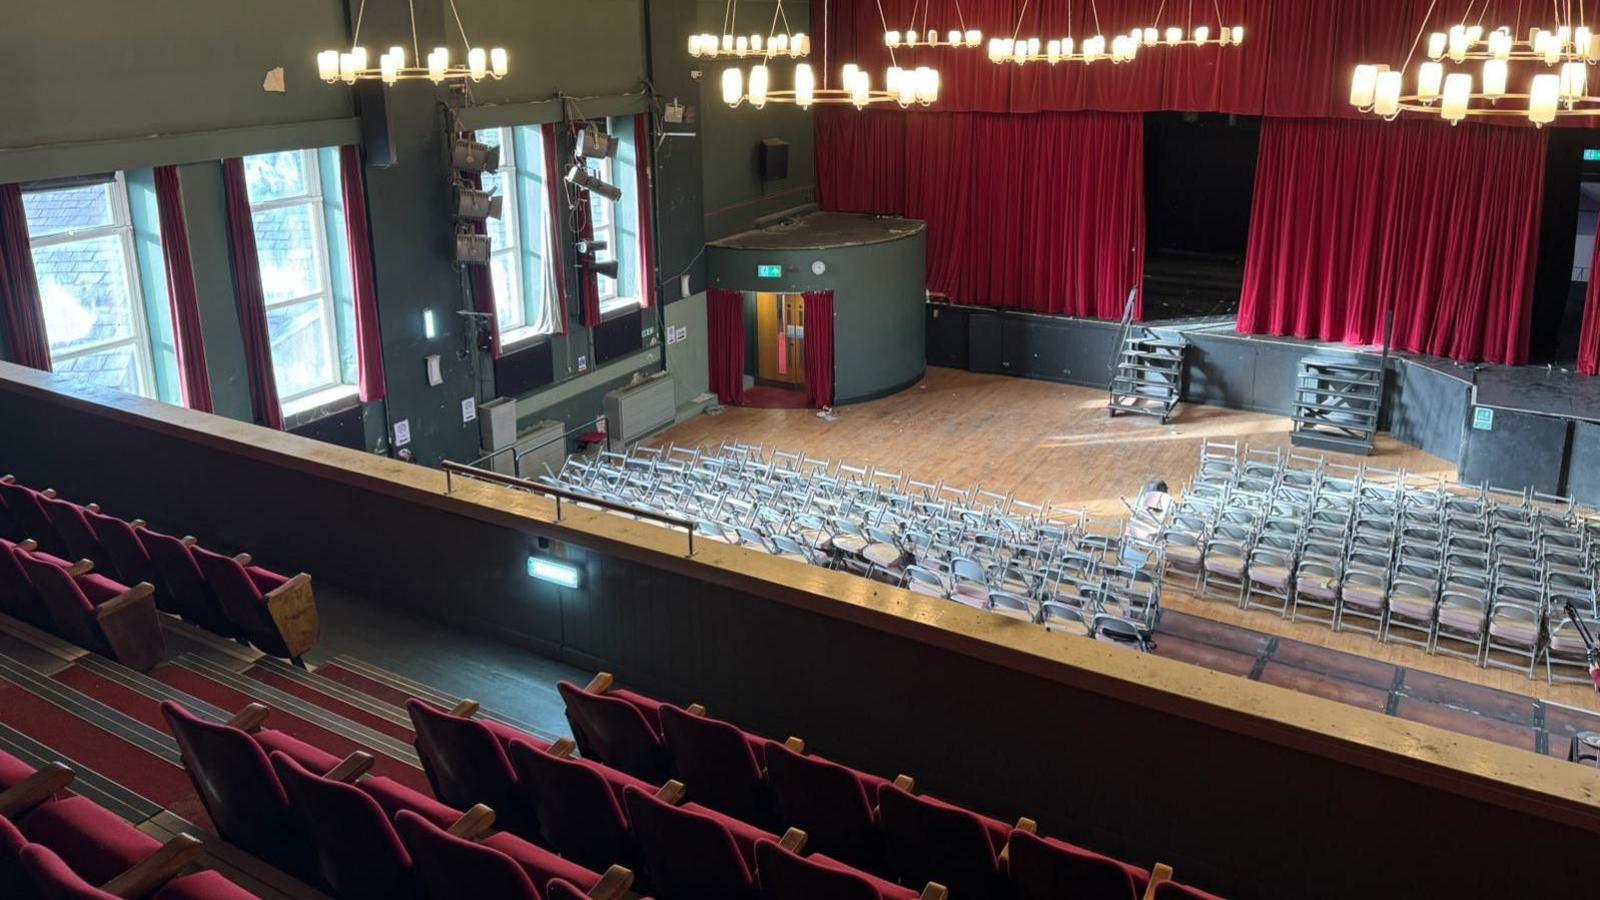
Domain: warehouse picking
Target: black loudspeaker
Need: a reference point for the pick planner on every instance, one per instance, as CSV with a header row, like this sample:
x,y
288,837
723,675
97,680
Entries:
x,y
774,159
372,101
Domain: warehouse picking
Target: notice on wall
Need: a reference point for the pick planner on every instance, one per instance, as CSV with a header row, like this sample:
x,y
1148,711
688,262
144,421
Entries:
x,y
1483,419
676,333
469,410
402,432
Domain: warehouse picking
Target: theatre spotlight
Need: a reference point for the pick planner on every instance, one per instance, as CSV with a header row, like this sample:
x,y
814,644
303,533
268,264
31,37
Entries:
x,y
477,205
473,156
607,269
596,144
471,249
591,247
582,178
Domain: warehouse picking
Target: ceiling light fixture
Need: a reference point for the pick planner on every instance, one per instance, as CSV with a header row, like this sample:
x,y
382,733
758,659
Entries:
x,y
1195,36
1020,50
911,37
739,46
351,66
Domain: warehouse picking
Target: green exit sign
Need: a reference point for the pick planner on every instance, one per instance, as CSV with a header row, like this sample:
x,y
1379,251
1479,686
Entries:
x,y
769,271
1591,154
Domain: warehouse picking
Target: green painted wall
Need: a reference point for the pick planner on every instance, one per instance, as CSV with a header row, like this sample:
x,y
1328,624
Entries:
x,y
688,358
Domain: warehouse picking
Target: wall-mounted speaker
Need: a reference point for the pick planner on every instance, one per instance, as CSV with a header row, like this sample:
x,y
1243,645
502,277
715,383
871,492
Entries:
x,y
372,102
774,159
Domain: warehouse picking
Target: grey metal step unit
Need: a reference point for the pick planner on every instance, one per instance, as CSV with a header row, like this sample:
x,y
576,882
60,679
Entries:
x,y
1337,403
1148,379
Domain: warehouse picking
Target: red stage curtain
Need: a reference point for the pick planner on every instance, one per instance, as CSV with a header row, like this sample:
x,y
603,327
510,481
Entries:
x,y
1589,339
647,225
188,337
552,183
369,339
1058,228
1440,225
19,286
249,298
819,348
725,330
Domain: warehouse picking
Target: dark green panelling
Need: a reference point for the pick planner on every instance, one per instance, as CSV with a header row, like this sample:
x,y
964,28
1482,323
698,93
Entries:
x,y
734,193
680,212
206,213
879,295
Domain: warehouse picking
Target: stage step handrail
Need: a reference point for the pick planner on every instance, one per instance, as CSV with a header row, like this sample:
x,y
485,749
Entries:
x,y
452,469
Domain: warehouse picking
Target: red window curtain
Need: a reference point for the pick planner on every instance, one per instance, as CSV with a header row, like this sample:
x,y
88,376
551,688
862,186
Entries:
x,y
725,332
369,339
480,279
1353,220
552,183
188,337
647,226
249,298
1589,338
19,286
1039,212
819,347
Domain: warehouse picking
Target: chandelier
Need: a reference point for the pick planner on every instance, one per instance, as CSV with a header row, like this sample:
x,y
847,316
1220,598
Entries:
x,y
906,86
777,43
1019,50
352,66
1198,36
929,37
1563,52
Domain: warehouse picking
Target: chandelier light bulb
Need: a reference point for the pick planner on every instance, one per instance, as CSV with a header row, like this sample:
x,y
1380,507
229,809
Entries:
x,y
1052,52
741,45
389,68
1201,35
1458,43
1581,36
1066,46
1437,42
1495,72
755,43
1174,35
732,86
805,86
347,67
891,38
904,89
779,44
438,60
1238,35
927,85
328,65
1151,37
849,76
1564,34
1574,81
974,37
1457,94
499,62
1033,46
1430,78
1363,86
478,63
694,45
360,54
1543,98
861,89
911,38
399,54
1500,44
954,37
760,79
802,44
727,43
1094,48
1474,33
1225,36
1386,97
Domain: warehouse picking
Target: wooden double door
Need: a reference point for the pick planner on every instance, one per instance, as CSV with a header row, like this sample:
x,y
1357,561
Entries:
x,y
781,339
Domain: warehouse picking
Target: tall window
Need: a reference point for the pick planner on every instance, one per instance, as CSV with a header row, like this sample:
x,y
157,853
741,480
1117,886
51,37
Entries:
x,y
292,240
617,222
83,251
520,258
603,216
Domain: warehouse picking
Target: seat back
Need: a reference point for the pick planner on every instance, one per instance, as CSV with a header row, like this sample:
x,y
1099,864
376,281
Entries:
x,y
452,868
52,878
785,876
828,802
240,790
689,856
715,762
1172,890
178,578
578,814
360,854
23,506
467,764
18,597
77,538
70,613
236,593
614,732
928,840
1043,869
123,550
11,871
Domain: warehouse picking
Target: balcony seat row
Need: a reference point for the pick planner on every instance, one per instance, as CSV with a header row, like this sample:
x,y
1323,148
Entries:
x,y
226,595
55,845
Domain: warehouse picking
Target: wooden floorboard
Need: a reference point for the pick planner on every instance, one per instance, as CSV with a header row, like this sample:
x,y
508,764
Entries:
x,y
1041,441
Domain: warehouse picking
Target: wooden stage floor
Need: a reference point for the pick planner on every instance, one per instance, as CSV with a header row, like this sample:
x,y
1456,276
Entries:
x,y
1049,442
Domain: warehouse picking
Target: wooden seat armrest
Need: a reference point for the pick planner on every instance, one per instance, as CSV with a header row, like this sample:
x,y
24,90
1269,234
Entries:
x,y
351,767
466,708
81,567
934,891
793,840
29,544
156,869
242,559
613,885
139,523
795,745
600,683
92,507
293,608
34,790
697,710
1161,872
905,783
474,823
249,717
190,540
127,599
8,479
1023,824
564,748
671,793
49,492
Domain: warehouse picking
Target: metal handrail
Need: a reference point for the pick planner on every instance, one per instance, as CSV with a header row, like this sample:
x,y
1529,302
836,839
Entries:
x,y
517,455
451,469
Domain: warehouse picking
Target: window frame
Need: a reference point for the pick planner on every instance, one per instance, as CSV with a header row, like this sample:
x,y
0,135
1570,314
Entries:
x,y
315,200
121,227
506,177
613,302
531,238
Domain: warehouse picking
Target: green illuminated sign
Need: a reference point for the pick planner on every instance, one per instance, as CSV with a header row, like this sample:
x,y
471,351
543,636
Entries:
x,y
1591,154
769,271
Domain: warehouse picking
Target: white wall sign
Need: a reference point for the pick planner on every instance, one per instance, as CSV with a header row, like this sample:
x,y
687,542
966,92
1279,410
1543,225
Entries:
x,y
402,432
469,410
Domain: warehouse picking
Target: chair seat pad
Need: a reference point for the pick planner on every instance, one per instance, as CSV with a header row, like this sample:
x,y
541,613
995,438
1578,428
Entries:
x,y
92,841
1369,596
314,759
881,554
202,886
887,890
392,797
1272,576
13,771
506,734
1565,640
1419,608
1232,566
1518,631
1461,618
541,865
1317,586
1184,553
